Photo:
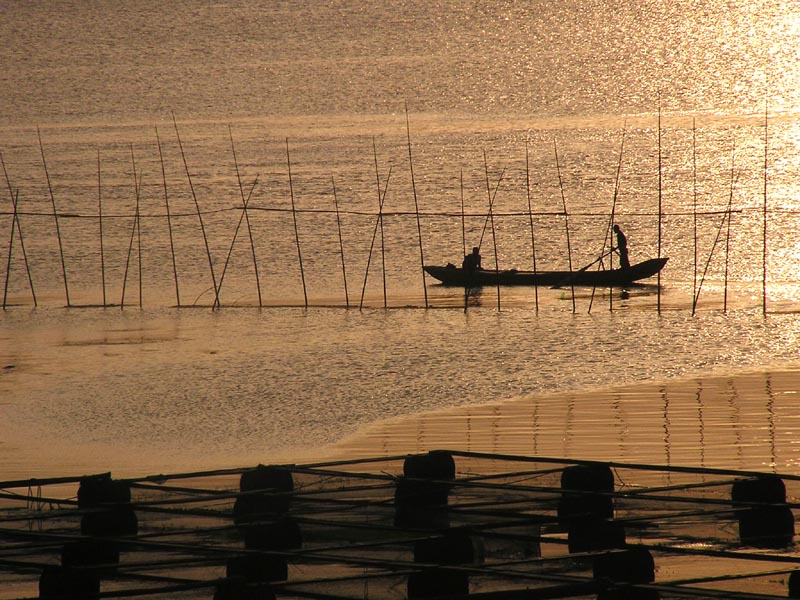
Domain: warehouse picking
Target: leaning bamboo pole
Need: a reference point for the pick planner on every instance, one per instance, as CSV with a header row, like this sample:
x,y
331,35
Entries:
x,y
341,242
381,199
380,220
100,223
246,216
491,220
198,211
10,250
530,220
294,220
566,221
728,235
55,218
169,222
416,211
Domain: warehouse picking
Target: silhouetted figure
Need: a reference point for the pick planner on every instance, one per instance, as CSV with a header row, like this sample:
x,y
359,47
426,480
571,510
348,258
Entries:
x,y
622,248
472,262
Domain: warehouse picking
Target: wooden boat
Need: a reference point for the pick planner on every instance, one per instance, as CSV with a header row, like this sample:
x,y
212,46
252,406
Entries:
x,y
452,275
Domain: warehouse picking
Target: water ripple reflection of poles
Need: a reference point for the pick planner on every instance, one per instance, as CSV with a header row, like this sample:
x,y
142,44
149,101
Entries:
x,y
294,220
55,217
199,213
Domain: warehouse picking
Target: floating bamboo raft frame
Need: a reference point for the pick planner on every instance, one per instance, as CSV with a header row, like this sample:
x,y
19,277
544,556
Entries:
x,y
438,525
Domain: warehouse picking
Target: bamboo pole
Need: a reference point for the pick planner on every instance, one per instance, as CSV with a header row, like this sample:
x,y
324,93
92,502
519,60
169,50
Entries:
x,y
566,221
246,217
694,211
138,227
728,235
55,218
416,210
530,219
374,235
380,220
294,220
15,203
490,198
660,199
463,220
169,222
10,248
764,234
199,213
134,228
708,262
341,243
100,223
245,202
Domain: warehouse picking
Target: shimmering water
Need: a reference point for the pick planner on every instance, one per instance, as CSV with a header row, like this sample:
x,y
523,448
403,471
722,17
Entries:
x,y
642,107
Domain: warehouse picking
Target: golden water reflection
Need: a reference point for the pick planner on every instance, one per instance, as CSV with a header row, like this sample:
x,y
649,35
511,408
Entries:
x,y
749,421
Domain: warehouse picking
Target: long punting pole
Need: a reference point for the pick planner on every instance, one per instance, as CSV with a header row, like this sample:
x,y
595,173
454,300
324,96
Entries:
x,y
55,217
728,235
764,235
15,203
169,222
660,197
416,210
530,219
490,198
380,220
341,243
566,221
694,210
10,248
381,199
294,220
607,238
100,222
199,213
246,216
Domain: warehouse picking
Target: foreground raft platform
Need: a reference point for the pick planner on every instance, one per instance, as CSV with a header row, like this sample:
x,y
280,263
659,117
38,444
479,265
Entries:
x,y
444,524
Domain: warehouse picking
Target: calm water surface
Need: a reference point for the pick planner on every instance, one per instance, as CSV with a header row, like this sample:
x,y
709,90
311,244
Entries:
x,y
638,107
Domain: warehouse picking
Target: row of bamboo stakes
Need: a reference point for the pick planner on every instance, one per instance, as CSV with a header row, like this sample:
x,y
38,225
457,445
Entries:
x,y
378,227
348,495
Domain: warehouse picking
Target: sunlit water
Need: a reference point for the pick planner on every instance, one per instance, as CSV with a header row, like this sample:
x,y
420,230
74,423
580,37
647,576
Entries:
x,y
639,107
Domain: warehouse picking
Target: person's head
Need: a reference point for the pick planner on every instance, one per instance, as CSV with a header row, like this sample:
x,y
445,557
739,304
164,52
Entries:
x,y
475,250
616,228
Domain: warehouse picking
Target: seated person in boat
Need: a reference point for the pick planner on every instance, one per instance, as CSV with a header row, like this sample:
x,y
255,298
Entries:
x,y
472,261
622,248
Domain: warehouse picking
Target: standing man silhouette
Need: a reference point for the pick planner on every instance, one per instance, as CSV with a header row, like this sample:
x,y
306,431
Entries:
x,y
622,248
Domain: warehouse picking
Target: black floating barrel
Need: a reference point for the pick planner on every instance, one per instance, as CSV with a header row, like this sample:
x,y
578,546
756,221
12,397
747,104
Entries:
x,y
108,503
266,492
453,547
437,583
765,519
238,589
619,569
587,535
100,490
586,493
794,584
283,534
257,568
68,584
90,553
424,490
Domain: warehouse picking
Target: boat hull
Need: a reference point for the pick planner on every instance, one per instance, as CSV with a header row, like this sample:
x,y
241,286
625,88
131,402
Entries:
x,y
455,276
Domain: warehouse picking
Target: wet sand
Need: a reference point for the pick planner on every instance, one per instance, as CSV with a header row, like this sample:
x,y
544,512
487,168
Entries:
x,y
748,420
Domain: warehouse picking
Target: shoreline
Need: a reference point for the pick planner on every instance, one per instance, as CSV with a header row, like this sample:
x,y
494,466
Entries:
x,y
743,420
